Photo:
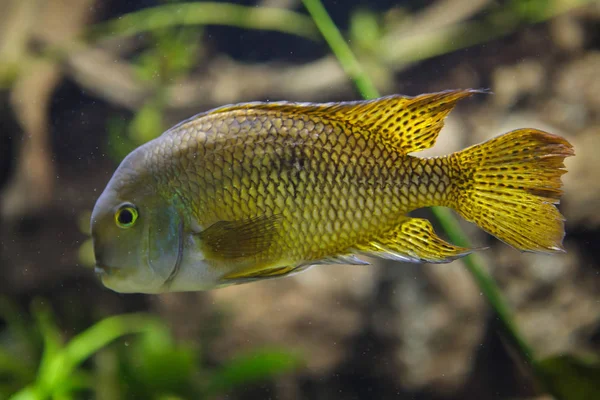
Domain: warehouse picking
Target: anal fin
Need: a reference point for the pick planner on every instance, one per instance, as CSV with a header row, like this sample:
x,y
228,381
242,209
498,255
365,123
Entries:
x,y
414,240
348,259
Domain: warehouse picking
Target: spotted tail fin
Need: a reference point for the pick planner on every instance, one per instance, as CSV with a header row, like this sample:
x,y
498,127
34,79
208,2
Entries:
x,y
509,186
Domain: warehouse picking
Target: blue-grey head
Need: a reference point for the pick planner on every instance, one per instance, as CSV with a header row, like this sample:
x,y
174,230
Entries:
x,y
137,232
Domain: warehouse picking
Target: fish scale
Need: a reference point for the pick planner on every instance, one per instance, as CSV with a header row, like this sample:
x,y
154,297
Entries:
x,y
318,163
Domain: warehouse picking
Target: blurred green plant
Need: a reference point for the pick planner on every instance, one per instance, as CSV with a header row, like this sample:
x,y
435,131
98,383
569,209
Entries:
x,y
571,377
206,13
172,53
135,357
404,37
176,33
558,375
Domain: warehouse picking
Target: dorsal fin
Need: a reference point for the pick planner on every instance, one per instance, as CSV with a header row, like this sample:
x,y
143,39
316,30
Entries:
x,y
407,124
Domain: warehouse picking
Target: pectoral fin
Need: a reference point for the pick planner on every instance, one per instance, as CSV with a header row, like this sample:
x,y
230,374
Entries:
x,y
239,239
278,272
413,241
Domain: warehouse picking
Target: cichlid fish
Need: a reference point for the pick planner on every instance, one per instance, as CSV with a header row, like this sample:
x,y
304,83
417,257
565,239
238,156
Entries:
x,y
260,190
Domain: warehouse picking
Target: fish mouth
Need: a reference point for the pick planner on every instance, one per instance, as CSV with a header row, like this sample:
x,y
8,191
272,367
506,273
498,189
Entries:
x,y
177,265
102,270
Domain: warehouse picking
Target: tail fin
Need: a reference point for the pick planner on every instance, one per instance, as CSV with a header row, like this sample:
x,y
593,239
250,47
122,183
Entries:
x,y
509,186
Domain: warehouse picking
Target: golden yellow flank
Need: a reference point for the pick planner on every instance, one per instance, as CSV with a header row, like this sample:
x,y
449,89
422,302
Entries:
x,y
283,183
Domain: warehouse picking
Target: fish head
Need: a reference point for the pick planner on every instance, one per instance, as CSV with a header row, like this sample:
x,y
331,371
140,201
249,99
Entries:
x,y
137,235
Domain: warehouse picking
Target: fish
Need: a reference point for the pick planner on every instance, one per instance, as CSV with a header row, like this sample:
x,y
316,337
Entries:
x,y
262,190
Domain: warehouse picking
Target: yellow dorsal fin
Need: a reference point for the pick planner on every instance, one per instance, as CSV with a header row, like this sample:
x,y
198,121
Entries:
x,y
407,124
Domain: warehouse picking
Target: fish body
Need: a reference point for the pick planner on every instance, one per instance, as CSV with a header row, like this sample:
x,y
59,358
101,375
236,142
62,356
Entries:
x,y
261,190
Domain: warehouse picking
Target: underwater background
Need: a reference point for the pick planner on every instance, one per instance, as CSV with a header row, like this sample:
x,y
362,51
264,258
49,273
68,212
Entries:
x,y
83,82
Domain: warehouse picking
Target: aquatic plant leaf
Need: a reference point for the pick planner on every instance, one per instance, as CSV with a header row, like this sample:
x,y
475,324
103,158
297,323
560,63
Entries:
x,y
162,366
252,367
573,378
27,393
119,143
365,29
76,382
14,370
57,372
147,124
51,362
87,343
22,338
206,13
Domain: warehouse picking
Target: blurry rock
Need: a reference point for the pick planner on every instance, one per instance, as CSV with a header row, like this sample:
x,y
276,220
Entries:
x,y
571,116
582,188
513,82
315,312
30,190
576,93
567,32
578,83
431,320
556,298
438,318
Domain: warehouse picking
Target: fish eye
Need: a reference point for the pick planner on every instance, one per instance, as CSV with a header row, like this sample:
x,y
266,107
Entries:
x,y
126,216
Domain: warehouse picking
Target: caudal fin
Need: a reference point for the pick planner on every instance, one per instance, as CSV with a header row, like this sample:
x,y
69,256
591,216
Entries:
x,y
509,186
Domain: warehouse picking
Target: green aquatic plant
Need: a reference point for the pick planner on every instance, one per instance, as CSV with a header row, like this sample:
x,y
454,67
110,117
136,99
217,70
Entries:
x,y
175,31
178,14
134,356
572,377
